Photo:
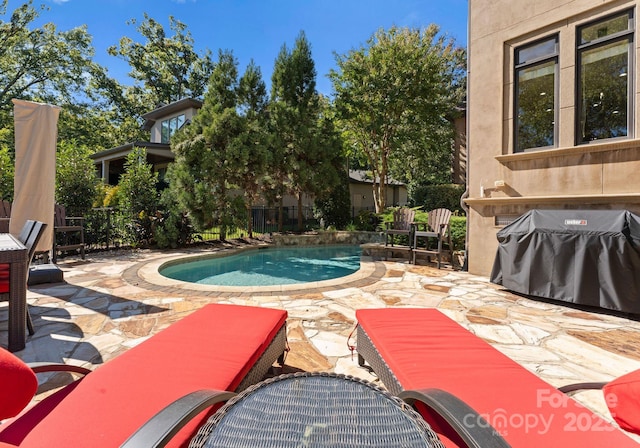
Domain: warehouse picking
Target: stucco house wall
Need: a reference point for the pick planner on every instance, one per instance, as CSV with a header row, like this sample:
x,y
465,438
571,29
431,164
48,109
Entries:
x,y
504,183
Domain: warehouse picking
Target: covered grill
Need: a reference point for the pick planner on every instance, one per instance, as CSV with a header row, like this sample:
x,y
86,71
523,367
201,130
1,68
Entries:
x,y
586,257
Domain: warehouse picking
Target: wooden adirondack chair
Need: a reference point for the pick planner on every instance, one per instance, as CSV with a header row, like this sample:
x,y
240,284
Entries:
x,y
402,225
68,233
5,216
438,229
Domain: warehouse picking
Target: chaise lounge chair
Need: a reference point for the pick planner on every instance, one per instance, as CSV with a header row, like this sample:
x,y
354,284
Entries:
x,y
224,347
414,349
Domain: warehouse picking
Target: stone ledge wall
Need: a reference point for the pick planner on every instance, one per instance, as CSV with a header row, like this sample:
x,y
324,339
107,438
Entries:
x,y
320,238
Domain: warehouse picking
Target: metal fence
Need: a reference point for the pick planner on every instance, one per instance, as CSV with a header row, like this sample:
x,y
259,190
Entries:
x,y
108,228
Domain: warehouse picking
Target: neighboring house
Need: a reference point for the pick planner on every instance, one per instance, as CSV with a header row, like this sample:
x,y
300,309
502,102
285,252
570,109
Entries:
x,y
552,112
361,191
161,123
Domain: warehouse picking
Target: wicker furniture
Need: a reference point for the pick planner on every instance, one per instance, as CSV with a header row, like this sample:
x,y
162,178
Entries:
x,y
415,348
29,236
15,254
345,412
311,409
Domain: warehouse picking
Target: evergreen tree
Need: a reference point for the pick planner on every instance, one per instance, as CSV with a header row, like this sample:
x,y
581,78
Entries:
x,y
252,102
223,150
302,152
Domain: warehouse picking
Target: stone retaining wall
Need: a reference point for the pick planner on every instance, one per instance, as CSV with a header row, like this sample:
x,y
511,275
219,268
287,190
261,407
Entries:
x,y
320,238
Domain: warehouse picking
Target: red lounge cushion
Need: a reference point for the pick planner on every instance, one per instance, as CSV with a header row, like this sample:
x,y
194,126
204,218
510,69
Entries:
x,y
18,384
424,348
212,348
623,399
4,277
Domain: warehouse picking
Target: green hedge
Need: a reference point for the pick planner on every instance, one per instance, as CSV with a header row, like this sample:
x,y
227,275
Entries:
x,y
429,197
458,225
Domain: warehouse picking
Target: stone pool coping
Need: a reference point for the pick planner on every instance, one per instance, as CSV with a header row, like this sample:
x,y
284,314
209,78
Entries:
x,y
146,274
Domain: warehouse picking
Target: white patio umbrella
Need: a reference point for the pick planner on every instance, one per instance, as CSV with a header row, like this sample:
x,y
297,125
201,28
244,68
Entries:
x,y
36,133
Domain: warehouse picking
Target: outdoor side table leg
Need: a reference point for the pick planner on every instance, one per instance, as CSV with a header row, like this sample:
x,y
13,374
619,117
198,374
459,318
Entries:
x,y
17,306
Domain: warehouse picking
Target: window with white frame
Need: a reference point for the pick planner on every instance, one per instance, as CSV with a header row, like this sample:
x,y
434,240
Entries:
x,y
170,126
604,77
536,68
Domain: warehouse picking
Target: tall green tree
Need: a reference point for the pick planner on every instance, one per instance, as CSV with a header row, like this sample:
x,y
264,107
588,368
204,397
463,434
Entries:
x,y
302,151
165,68
395,95
254,153
223,149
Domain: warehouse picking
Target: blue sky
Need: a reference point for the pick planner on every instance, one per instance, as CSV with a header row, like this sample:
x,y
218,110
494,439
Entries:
x,y
255,28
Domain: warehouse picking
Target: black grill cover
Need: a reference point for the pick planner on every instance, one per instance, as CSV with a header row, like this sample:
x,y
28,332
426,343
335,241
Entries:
x,y
587,257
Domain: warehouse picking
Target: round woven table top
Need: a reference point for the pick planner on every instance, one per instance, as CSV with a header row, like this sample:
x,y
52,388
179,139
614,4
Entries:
x,y
315,410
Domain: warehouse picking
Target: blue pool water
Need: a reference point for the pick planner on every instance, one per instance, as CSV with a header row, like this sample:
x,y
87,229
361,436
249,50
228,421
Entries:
x,y
270,266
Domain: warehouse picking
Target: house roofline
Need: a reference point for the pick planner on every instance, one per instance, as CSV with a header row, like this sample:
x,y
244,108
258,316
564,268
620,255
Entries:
x,y
163,111
128,147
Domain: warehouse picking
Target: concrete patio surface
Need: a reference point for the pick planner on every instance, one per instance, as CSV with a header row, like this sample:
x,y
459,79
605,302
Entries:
x,y
112,301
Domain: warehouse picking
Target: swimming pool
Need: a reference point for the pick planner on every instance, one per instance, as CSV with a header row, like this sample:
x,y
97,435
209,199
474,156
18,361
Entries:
x,y
269,266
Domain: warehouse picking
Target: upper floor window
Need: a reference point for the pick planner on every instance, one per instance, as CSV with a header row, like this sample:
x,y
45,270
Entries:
x,y
170,126
536,67
605,50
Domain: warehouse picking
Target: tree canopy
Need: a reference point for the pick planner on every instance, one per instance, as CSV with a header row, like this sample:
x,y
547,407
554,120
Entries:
x,y
166,69
395,97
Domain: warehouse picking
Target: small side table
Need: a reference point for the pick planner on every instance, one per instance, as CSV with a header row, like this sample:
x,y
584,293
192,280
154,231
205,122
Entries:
x,y
315,409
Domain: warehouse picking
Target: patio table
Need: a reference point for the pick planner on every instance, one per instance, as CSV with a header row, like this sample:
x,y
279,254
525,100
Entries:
x,y
13,252
317,410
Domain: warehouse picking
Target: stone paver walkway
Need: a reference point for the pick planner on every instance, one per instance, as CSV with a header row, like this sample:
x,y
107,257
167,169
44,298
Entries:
x,y
111,302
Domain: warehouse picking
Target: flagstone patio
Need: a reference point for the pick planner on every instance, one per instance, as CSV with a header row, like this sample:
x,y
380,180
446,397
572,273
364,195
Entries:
x,y
112,301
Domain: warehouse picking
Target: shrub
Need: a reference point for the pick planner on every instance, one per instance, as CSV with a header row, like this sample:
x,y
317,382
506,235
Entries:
x,y
334,207
458,229
367,221
76,180
429,197
6,175
172,228
138,196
